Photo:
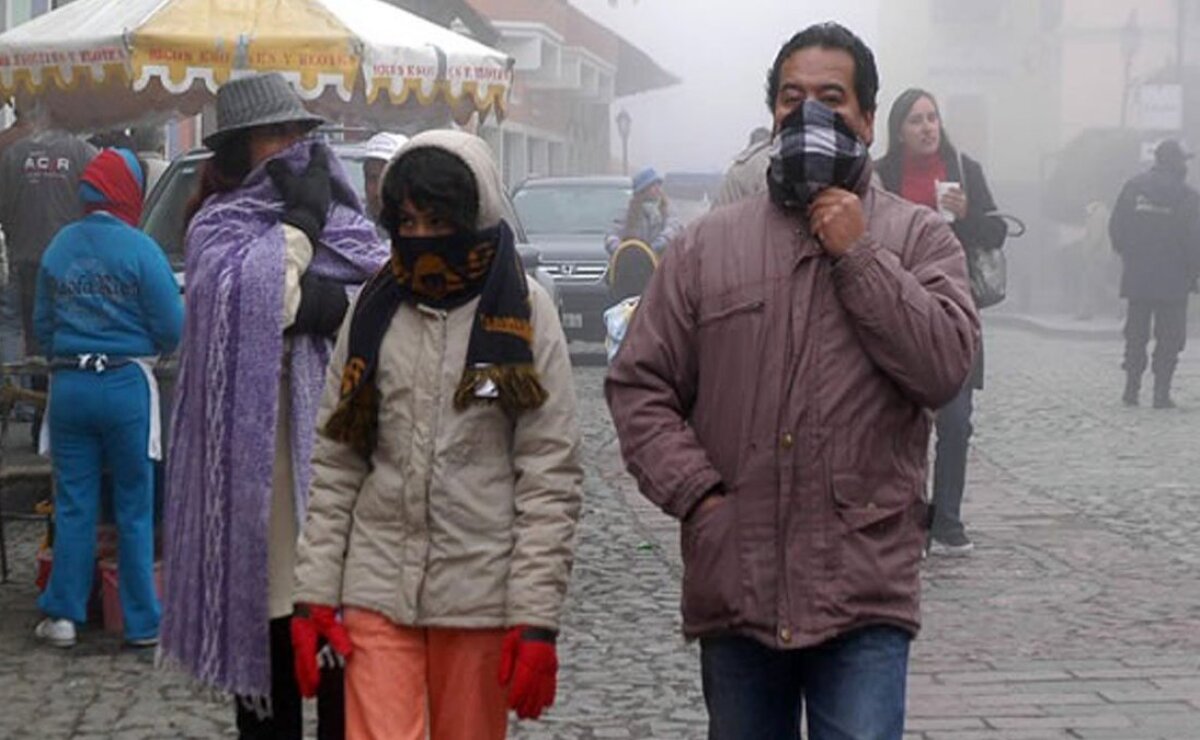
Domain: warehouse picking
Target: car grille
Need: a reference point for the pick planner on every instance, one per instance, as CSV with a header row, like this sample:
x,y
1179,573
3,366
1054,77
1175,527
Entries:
x,y
576,272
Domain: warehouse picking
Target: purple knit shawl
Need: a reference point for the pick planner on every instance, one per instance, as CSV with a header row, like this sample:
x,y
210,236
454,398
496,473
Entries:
x,y
223,427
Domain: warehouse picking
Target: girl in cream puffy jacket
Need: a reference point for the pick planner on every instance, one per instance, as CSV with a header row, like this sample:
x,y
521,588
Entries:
x,y
446,481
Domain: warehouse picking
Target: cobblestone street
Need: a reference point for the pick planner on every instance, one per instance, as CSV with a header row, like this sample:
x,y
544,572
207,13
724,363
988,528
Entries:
x,y
1078,616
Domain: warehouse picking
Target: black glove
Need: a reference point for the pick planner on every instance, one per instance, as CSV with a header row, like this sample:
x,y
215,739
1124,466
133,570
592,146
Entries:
x,y
306,197
323,305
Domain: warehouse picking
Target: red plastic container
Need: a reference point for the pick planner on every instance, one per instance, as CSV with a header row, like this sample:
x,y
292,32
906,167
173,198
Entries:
x,y
45,564
113,621
45,561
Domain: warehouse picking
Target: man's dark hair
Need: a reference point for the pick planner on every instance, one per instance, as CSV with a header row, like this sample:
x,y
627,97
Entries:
x,y
434,180
114,139
831,35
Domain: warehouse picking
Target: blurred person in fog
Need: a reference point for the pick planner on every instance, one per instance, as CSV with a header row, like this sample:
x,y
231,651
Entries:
x,y
1095,258
11,343
748,174
150,145
648,218
919,156
773,395
380,149
107,305
10,321
1155,227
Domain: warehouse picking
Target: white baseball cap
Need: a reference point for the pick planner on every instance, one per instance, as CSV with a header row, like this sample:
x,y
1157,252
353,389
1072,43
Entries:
x,y
383,146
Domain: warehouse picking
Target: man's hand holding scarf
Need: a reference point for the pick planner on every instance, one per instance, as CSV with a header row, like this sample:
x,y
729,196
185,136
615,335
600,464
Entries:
x,y
836,218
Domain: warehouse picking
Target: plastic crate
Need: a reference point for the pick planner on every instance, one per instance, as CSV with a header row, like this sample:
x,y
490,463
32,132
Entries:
x,y
111,598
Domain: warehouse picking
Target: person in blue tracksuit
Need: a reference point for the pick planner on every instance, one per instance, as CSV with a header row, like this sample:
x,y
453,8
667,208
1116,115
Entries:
x,y
106,305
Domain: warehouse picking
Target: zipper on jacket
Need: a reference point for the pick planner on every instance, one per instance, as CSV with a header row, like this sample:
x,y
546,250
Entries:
x,y
815,337
442,317
785,446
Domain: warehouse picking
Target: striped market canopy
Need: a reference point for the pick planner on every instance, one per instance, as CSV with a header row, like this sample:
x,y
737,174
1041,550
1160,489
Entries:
x,y
98,63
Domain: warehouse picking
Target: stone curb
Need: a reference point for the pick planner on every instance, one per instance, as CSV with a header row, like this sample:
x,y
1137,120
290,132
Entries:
x,y
1048,327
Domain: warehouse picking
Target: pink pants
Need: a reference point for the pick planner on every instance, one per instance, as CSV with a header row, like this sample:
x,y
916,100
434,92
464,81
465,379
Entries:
x,y
404,682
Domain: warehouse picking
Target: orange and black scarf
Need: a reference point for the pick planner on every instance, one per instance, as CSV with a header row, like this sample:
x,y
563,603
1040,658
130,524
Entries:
x,y
444,273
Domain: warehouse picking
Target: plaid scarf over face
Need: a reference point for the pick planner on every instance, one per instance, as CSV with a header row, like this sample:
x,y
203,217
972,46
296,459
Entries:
x,y
444,273
815,149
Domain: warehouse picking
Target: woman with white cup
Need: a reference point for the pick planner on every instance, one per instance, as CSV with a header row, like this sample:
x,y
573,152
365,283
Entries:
x,y
922,166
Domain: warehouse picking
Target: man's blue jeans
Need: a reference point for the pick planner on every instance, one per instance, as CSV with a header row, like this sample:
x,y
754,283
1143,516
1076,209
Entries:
x,y
851,687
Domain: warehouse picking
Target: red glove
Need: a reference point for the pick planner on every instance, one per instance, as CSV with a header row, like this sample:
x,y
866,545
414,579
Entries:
x,y
310,623
529,668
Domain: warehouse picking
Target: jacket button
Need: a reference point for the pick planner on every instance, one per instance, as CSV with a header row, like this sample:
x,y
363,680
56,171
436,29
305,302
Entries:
x,y
788,441
785,635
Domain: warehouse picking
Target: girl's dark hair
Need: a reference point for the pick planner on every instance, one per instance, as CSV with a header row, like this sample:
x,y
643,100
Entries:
x,y
433,180
900,110
830,35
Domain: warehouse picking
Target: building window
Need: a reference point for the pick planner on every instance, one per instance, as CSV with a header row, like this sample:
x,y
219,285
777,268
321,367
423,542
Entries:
x,y
20,11
958,11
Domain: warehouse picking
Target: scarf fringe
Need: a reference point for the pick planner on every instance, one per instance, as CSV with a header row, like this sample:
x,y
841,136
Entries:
x,y
355,422
260,705
518,387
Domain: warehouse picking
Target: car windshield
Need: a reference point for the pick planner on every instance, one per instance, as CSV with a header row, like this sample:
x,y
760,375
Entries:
x,y
571,209
165,219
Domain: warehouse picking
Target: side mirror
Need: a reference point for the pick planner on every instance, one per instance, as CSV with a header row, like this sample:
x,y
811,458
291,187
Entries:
x,y
531,257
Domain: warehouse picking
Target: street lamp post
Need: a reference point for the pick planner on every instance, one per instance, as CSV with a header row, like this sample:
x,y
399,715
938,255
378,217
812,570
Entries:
x,y
1181,19
1131,41
624,124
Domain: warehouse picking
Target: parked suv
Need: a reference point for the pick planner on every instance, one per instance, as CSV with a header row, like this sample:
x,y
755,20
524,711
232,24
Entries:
x,y
567,218
166,208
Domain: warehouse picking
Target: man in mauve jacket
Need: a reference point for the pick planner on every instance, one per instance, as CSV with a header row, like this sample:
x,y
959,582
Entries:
x,y
774,394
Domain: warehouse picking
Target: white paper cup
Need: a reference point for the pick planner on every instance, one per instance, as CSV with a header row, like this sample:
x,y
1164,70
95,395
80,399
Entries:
x,y
943,188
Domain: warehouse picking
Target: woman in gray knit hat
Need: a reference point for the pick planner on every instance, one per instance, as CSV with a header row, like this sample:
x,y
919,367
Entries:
x,y
275,237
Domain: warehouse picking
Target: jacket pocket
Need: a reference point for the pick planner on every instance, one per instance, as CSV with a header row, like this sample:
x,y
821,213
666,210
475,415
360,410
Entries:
x,y
720,314
380,499
880,542
711,566
481,433
478,480
861,502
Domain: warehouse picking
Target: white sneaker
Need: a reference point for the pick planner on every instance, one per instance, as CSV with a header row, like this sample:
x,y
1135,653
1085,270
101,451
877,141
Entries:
x,y
56,632
955,546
